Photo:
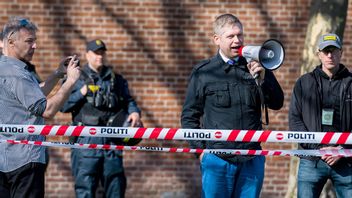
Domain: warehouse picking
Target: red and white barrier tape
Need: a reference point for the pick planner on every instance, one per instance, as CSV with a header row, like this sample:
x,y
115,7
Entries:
x,y
182,134
337,152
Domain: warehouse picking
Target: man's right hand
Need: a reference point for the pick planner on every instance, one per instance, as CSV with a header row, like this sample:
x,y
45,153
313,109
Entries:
x,y
73,70
55,102
331,160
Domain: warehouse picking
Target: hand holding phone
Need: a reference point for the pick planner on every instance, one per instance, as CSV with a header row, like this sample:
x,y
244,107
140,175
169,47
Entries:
x,y
69,58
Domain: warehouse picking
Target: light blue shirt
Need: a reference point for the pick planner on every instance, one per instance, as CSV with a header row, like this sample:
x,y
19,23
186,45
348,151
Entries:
x,y
21,102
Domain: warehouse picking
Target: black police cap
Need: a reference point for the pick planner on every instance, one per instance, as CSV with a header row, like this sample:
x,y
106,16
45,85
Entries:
x,y
95,45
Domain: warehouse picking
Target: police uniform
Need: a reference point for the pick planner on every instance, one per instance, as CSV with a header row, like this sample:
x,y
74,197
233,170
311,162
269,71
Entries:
x,y
108,95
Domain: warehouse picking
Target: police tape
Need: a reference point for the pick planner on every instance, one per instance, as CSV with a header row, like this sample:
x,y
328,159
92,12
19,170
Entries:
x,y
287,153
182,134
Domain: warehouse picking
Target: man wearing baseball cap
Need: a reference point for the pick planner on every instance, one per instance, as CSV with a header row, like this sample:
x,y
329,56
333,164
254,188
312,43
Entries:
x,y
97,99
322,101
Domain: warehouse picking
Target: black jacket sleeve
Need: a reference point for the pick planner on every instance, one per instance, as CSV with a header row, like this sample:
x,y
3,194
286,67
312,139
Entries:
x,y
295,115
193,108
274,96
295,118
131,103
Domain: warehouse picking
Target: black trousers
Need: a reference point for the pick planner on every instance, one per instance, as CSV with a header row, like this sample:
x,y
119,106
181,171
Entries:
x,y
26,181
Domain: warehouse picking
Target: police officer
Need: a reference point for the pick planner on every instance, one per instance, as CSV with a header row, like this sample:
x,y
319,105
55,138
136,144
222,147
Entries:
x,y
98,96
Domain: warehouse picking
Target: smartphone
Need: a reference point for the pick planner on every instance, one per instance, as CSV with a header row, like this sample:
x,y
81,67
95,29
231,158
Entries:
x,y
67,61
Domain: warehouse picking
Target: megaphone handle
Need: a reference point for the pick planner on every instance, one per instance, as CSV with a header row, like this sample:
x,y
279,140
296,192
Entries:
x,y
256,75
248,59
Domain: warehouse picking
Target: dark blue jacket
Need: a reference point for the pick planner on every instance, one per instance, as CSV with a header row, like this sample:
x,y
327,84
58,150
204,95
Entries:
x,y
84,112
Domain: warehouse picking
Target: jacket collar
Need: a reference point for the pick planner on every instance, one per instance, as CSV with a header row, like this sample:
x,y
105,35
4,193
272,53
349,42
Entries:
x,y
105,71
14,61
341,73
241,63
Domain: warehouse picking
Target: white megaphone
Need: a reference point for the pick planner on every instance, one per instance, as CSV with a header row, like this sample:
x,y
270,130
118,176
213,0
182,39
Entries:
x,y
270,55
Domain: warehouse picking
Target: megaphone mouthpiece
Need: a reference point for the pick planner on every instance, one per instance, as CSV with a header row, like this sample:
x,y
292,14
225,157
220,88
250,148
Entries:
x,y
240,51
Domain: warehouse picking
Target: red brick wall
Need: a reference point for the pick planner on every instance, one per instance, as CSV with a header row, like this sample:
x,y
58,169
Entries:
x,y
154,44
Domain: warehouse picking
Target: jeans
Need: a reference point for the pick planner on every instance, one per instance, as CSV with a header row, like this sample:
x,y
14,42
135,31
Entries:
x,y
88,171
224,179
312,176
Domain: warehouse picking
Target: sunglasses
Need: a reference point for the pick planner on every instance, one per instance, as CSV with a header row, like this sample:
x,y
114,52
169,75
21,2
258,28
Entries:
x,y
331,50
23,23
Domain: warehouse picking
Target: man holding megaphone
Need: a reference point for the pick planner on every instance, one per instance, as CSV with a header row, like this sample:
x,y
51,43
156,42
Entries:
x,y
223,94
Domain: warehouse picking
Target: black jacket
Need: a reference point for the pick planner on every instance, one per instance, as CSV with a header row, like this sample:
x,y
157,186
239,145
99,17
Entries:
x,y
306,103
221,96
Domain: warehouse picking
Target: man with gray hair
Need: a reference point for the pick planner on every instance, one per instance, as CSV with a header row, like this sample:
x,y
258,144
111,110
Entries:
x,y
23,101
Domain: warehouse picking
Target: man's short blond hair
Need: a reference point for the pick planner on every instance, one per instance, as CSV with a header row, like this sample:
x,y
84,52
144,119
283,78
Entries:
x,y
224,20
